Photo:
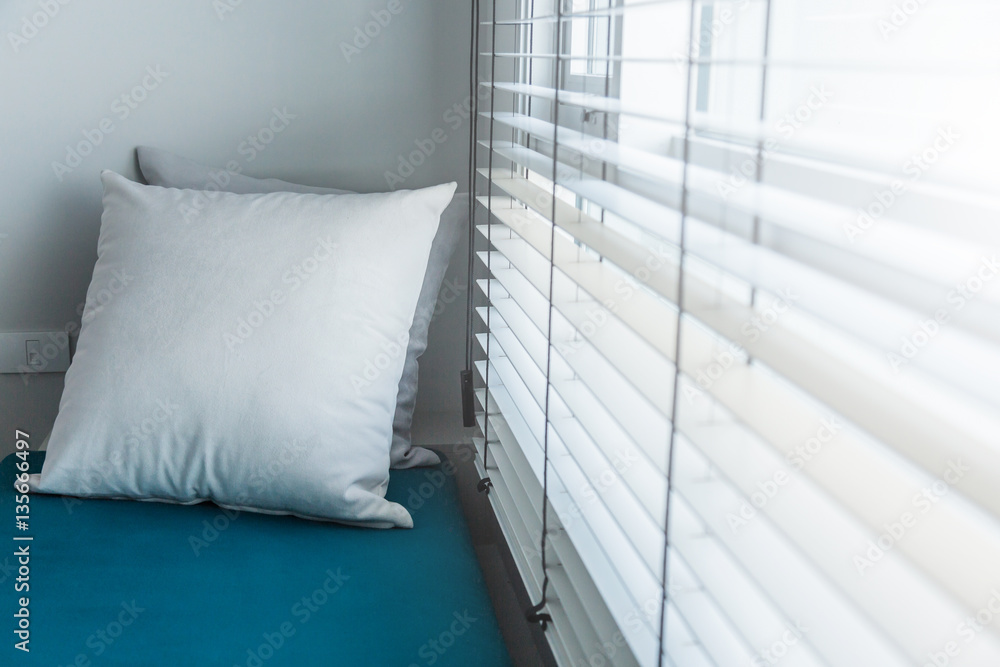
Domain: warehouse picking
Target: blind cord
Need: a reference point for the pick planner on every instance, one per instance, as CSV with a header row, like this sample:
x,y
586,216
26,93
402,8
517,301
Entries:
x,y
473,127
535,615
466,377
664,570
486,483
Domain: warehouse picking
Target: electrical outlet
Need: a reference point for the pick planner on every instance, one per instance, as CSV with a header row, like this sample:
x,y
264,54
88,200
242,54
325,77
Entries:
x,y
34,352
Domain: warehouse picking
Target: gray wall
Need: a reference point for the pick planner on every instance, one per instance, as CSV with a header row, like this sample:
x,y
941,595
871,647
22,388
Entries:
x,y
223,74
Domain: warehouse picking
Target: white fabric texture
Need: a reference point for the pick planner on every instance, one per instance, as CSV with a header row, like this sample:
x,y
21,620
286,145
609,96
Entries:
x,y
163,168
229,359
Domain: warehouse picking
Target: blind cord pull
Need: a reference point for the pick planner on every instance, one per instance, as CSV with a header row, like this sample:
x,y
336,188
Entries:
x,y
468,395
468,398
535,614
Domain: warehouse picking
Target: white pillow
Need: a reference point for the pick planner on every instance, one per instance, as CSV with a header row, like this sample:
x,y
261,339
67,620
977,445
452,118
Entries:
x,y
163,168
227,358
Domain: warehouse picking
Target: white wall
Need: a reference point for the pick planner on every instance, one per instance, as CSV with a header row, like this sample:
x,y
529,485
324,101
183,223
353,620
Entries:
x,y
227,65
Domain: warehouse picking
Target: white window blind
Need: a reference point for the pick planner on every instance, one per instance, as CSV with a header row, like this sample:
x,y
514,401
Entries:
x,y
737,326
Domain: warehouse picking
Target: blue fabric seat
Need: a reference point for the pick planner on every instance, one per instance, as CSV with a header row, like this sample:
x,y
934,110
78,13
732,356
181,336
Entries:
x,y
138,583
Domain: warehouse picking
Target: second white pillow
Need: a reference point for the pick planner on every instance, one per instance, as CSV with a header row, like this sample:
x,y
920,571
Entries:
x,y
232,359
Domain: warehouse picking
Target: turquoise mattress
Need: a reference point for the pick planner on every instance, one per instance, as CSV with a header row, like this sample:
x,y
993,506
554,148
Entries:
x,y
134,583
